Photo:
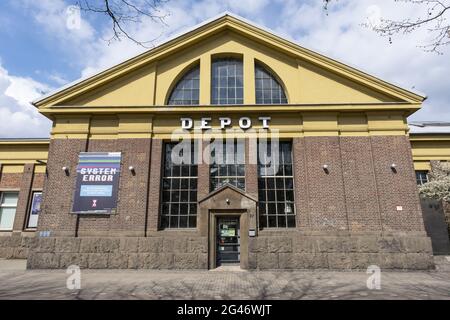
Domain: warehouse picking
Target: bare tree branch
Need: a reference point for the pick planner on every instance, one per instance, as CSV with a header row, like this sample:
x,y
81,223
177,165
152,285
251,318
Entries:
x,y
434,19
433,15
123,13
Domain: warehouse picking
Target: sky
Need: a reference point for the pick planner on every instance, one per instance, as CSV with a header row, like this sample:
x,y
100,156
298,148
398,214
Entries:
x,y
41,49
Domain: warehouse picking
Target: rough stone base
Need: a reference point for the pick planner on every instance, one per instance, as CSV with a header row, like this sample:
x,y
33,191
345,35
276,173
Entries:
x,y
340,252
15,246
265,252
119,253
446,206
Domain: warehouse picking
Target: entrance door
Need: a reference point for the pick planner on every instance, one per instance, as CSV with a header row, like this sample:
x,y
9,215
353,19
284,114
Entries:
x,y
228,241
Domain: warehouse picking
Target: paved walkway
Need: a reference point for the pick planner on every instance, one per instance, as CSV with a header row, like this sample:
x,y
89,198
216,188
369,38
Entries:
x,y
17,283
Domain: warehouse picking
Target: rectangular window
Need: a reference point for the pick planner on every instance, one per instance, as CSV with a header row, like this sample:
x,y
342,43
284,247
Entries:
x,y
35,210
179,189
276,186
421,177
8,205
227,81
228,164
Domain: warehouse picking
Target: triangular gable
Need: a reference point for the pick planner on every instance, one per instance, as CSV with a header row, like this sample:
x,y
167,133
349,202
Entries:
x,y
239,25
225,187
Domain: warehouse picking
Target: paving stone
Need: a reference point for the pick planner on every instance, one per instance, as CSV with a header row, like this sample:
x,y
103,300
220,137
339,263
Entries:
x,y
201,284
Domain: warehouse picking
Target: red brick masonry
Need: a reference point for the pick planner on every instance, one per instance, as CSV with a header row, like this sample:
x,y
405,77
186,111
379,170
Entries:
x,y
360,212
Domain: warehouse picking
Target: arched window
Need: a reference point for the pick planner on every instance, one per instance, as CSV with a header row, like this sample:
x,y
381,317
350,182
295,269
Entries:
x,y
268,89
227,86
186,91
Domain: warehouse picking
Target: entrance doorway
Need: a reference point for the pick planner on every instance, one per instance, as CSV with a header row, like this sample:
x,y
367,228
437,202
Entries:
x,y
228,241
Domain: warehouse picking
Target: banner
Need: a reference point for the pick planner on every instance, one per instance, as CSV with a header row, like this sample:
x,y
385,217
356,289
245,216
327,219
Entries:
x,y
97,182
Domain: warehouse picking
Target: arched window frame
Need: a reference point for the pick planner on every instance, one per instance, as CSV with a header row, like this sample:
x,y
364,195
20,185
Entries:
x,y
271,93
188,81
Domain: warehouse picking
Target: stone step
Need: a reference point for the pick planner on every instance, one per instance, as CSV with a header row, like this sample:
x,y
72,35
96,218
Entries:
x,y
442,263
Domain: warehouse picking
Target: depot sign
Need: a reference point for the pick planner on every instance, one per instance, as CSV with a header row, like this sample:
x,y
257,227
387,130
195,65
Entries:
x,y
225,122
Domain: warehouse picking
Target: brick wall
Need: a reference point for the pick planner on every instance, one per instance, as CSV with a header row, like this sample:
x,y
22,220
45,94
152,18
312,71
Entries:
x,y
360,186
360,192
131,213
16,244
397,188
10,180
58,190
326,199
154,193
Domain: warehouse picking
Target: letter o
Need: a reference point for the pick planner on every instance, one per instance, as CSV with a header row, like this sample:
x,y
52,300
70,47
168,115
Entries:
x,y
245,122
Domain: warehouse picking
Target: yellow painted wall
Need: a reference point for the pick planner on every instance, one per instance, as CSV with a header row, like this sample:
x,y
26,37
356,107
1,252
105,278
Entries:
x,y
15,154
426,148
304,82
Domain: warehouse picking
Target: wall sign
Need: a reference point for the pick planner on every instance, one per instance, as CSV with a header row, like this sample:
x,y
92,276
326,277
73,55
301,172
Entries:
x,y
35,210
97,182
225,122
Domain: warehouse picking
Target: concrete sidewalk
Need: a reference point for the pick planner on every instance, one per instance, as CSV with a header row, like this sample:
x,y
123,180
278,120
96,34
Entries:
x,y
17,283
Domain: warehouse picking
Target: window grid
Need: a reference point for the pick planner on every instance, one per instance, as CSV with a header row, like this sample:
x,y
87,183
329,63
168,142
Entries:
x,y
232,171
268,89
227,81
276,191
186,91
421,177
179,192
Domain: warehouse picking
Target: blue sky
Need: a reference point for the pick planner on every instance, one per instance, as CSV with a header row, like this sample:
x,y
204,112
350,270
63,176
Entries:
x,y
39,53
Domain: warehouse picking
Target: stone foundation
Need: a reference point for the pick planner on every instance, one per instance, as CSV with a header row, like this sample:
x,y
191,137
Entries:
x,y
340,252
265,252
15,246
119,253
446,206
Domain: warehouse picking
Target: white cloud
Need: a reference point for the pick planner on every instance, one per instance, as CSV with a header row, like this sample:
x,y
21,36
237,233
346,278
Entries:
x,y
58,20
18,117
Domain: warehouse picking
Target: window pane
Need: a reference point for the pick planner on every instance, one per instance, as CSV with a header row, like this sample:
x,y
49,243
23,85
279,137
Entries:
x,y
226,84
227,166
421,177
178,192
186,91
276,194
268,89
9,198
7,218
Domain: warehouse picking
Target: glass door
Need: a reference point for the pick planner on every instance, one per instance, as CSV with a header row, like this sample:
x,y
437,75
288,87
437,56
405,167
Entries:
x,y
228,241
